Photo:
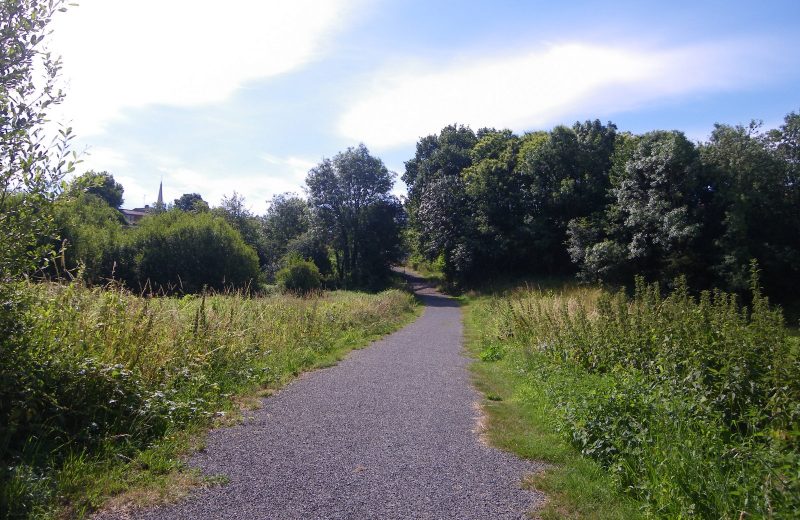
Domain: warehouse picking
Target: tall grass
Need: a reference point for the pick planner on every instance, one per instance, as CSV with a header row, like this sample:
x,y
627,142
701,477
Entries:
x,y
105,375
693,404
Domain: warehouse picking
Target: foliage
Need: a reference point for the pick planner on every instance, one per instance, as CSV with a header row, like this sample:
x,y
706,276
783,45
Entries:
x,y
101,185
287,228
609,205
180,252
299,276
755,208
493,202
112,377
690,403
350,197
31,164
89,233
191,202
249,226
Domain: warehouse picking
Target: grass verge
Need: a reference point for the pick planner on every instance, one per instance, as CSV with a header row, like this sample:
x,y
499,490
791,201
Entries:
x,y
520,418
689,405
106,392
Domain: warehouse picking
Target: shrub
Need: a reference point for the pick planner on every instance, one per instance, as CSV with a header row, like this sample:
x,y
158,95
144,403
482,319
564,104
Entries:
x,y
90,232
690,402
299,275
182,252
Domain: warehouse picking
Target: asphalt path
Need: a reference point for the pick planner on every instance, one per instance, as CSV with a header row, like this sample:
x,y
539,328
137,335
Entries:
x,y
389,432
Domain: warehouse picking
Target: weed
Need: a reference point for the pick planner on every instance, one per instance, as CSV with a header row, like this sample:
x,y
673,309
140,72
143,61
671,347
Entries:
x,y
691,404
106,385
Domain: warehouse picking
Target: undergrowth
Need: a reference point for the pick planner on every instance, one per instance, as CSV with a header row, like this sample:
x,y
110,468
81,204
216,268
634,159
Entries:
x,y
101,389
691,404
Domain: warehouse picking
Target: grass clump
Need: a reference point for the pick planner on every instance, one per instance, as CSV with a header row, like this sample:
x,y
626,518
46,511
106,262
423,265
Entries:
x,y
102,390
690,405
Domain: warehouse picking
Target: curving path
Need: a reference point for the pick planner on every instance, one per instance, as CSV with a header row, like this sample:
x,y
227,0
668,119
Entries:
x,y
387,433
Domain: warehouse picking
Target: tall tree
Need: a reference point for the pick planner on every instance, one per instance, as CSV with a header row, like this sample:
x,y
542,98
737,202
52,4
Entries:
x,y
234,210
100,184
351,196
437,165
32,164
565,175
653,222
191,202
755,207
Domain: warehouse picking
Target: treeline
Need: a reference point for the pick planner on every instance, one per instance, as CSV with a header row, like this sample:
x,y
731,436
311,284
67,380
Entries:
x,y
346,234
609,205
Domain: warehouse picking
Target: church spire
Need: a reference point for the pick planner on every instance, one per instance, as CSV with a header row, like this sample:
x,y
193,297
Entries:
x,y
160,201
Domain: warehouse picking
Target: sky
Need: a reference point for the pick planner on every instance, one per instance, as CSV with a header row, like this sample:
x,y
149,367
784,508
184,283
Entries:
x,y
248,95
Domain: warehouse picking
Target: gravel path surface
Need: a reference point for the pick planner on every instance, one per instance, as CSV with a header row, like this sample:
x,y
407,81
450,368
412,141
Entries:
x,y
387,433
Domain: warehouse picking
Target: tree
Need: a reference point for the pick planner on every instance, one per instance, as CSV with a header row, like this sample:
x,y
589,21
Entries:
x,y
90,233
235,212
446,229
101,185
653,224
437,165
564,176
179,252
191,202
31,163
754,208
32,166
350,195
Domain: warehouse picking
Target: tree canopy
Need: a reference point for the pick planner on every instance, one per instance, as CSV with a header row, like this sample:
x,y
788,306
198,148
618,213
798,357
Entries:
x,y
350,197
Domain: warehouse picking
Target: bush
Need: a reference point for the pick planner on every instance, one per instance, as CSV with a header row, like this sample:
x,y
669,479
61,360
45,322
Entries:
x,y
90,232
691,403
299,276
183,252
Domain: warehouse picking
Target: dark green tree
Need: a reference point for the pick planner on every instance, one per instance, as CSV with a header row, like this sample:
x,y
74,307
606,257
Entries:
x,y
178,252
234,210
754,214
191,202
101,185
90,233
350,196
565,176
654,221
31,164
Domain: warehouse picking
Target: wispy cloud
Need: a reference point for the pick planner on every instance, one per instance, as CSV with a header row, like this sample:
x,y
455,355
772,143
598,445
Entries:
x,y
537,88
124,55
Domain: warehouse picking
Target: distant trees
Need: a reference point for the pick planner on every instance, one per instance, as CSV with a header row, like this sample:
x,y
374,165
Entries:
x,y
350,198
606,205
653,220
191,202
89,234
496,202
101,185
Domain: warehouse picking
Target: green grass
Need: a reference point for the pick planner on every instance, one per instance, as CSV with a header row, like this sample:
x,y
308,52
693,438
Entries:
x,y
111,391
520,418
656,406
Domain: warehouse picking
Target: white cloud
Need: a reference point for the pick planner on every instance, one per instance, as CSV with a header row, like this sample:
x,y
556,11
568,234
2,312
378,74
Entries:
x,y
533,89
102,159
120,55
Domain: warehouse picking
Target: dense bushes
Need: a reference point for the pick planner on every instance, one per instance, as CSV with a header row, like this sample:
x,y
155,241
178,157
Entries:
x,y
693,404
178,251
173,251
299,276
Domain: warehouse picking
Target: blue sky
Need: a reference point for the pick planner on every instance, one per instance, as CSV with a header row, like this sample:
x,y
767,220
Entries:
x,y
247,95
